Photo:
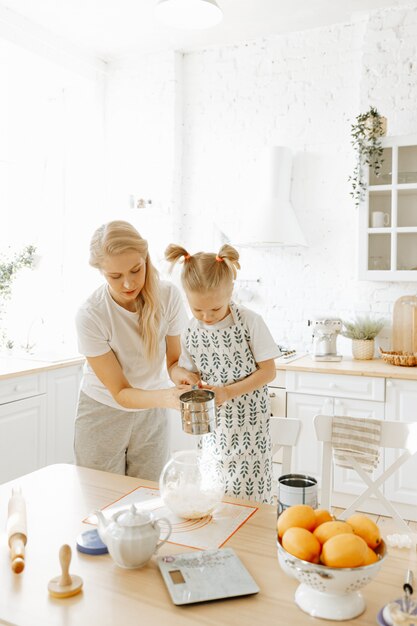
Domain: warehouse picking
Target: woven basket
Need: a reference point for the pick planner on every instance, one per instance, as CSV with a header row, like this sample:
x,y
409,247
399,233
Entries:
x,y
406,359
363,349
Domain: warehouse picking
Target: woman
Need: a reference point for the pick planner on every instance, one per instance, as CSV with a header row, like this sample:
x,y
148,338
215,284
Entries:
x,y
129,331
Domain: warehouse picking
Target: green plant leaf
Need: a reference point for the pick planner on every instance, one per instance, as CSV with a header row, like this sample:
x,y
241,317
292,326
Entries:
x,y
362,327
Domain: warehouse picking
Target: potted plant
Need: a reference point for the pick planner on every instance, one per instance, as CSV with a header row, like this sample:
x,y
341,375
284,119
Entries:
x,y
362,331
366,139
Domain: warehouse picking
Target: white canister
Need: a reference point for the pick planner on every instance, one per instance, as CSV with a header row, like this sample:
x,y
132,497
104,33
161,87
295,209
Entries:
x,y
296,489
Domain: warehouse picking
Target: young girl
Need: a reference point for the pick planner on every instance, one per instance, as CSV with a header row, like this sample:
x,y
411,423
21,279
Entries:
x,y
233,351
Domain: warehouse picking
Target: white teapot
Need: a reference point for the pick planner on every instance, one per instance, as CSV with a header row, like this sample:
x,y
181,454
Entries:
x,y
132,536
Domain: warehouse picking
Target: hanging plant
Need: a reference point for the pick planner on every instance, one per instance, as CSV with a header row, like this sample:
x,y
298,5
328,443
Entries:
x,y
366,139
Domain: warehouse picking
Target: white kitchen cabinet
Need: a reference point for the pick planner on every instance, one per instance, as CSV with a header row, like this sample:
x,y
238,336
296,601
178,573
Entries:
x,y
388,241
22,427
401,403
37,413
62,395
307,453
278,395
278,404
329,394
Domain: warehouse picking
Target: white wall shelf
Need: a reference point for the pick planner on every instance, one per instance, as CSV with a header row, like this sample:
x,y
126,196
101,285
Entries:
x,y
389,251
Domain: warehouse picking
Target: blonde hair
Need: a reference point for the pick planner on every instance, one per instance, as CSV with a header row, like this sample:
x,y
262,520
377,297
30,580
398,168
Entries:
x,y
205,271
116,238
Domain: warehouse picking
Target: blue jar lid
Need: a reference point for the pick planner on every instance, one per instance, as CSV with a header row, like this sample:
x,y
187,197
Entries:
x,y
89,542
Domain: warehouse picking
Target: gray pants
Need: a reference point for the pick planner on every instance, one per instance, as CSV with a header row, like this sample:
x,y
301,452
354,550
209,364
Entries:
x,y
134,443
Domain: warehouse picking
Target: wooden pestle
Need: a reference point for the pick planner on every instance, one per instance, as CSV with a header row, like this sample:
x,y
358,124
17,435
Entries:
x,y
16,530
65,585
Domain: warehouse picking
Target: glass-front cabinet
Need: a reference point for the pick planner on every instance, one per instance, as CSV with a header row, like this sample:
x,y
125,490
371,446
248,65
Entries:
x,y
388,215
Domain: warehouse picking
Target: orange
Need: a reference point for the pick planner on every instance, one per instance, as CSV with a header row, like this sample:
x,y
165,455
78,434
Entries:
x,y
300,515
322,515
346,550
371,557
366,528
330,529
301,543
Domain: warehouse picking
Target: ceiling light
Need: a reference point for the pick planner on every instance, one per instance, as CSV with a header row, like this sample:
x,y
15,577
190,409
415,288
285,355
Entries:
x,y
188,14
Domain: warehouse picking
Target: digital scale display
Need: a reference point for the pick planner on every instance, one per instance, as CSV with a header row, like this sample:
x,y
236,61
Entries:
x,y
176,576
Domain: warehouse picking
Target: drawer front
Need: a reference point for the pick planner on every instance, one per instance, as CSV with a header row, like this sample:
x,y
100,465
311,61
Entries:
x,y
337,385
279,380
278,401
20,387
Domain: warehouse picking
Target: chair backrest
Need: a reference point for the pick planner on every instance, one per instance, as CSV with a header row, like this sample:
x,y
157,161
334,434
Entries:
x,y
284,435
394,434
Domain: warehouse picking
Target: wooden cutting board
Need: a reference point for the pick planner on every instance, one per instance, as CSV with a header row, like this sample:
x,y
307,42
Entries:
x,y
404,324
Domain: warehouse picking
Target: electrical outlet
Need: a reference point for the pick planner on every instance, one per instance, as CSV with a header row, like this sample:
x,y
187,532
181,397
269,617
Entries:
x,y
139,202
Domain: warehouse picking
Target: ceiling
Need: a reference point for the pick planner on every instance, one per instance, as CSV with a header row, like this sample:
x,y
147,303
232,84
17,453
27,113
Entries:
x,y
115,28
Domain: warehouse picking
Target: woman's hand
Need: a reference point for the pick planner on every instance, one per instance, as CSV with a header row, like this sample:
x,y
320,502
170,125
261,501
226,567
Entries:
x,y
172,395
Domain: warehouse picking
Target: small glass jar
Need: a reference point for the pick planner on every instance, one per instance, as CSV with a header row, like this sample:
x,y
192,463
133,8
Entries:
x,y
192,484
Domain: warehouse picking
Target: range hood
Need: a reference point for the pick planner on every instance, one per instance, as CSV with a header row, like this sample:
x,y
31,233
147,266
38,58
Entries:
x,y
272,222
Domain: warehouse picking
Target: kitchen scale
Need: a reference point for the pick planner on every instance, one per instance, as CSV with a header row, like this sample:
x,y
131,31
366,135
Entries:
x,y
205,575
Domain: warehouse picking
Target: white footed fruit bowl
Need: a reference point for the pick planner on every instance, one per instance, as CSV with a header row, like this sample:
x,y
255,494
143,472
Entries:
x,y
330,592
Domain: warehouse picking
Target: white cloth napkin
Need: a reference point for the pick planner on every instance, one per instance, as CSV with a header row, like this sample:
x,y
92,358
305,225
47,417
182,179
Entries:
x,y
357,437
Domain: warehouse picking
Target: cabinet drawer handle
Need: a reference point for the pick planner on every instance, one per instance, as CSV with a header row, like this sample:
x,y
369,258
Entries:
x,y
389,383
272,395
332,386
19,388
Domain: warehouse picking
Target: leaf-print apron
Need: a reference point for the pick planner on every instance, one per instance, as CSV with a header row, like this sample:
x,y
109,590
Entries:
x,y
242,441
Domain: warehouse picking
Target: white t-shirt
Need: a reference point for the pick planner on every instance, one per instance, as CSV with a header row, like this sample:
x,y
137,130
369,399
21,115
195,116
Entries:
x,y
262,344
103,325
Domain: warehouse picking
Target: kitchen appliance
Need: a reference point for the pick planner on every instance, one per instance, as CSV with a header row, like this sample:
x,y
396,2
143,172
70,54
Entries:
x,y
198,411
207,575
325,331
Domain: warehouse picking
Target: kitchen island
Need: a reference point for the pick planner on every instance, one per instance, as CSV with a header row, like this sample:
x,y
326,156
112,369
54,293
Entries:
x,y
59,497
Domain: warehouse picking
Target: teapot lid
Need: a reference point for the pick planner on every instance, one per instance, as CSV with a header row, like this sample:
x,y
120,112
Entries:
x,y
132,517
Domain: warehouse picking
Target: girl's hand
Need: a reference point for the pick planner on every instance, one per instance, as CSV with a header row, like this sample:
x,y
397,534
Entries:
x,y
189,378
221,394
181,376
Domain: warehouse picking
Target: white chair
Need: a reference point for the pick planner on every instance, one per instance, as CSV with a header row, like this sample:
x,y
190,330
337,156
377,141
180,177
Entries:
x,y
397,435
284,436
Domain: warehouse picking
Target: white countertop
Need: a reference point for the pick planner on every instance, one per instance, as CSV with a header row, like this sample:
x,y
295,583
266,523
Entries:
x,y
17,366
349,366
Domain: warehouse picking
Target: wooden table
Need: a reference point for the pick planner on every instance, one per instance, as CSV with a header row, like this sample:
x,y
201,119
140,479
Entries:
x,y
58,497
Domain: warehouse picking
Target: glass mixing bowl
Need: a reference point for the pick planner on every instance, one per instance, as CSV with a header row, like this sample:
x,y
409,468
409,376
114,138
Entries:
x,y
191,484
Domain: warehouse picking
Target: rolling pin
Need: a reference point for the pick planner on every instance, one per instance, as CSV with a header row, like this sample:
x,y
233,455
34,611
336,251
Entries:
x,y
16,530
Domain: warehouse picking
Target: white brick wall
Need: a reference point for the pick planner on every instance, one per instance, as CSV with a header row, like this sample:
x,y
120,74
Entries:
x,y
220,106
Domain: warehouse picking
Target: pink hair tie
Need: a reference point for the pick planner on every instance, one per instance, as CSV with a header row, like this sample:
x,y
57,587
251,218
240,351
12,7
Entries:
x,y
219,259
